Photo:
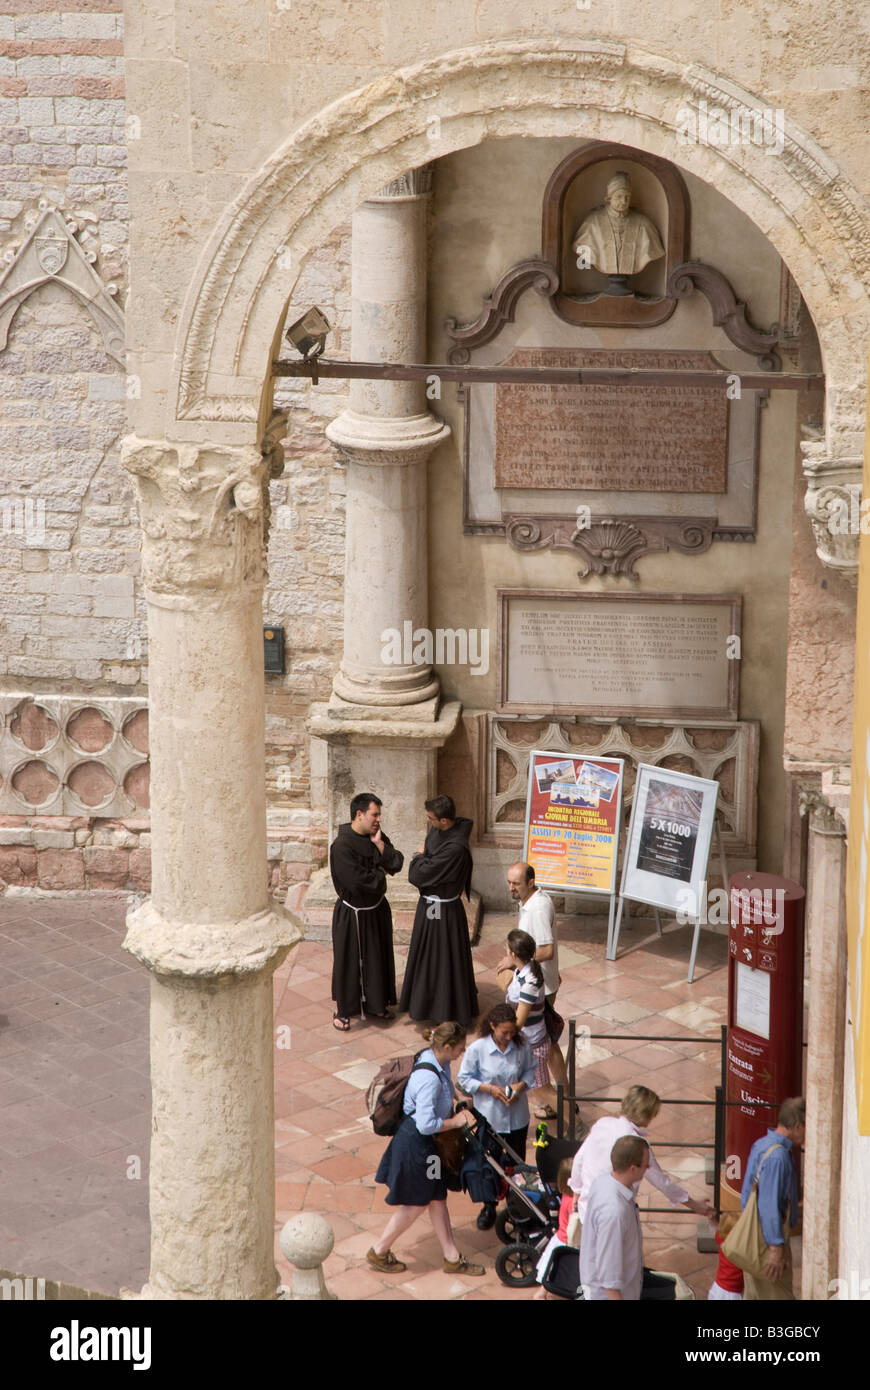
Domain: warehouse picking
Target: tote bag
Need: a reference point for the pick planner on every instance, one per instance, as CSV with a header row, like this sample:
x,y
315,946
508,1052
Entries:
x,y
745,1246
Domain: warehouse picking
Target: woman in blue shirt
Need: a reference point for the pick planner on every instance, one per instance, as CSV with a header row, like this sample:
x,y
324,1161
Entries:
x,y
411,1166
497,1070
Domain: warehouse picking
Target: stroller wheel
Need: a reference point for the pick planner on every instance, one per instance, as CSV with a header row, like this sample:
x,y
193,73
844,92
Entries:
x,y
515,1265
506,1227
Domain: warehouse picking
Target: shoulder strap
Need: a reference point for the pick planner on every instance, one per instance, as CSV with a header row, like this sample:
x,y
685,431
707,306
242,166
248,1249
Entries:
x,y
761,1160
425,1066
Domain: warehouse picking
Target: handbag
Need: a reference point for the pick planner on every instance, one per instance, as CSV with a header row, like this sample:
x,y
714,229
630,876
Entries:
x,y
553,1022
745,1245
451,1145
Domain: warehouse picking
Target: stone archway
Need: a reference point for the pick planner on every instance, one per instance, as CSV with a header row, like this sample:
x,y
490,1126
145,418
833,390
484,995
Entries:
x,y
799,198
210,935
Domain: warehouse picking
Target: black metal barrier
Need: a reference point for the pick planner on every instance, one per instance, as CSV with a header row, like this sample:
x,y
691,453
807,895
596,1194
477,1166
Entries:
x,y
719,1102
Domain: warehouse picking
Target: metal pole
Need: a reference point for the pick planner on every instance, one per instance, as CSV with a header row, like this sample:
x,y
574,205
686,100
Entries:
x,y
572,1075
719,1149
318,367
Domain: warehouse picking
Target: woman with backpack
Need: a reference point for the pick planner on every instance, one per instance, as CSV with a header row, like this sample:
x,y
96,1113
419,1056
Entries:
x,y
411,1166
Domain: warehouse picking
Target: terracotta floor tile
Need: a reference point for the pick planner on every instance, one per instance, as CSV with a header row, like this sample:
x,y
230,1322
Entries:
x,y
341,1168
357,1199
324,1142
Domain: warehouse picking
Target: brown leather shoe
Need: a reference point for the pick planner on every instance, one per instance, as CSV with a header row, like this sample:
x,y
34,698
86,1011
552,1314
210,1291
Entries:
x,y
462,1266
387,1263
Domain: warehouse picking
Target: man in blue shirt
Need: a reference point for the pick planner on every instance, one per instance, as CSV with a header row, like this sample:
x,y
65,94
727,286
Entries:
x,y
777,1199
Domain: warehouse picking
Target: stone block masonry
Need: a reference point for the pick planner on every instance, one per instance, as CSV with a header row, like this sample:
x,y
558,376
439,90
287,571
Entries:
x,y
72,610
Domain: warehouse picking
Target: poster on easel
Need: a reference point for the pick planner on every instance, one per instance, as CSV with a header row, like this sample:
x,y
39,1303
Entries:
x,y
669,837
572,824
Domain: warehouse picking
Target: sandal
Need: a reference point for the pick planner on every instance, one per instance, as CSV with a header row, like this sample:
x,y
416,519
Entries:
x,y
341,1025
546,1112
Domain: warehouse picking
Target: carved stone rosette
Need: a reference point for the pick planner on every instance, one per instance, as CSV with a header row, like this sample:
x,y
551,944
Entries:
x,y
833,506
202,514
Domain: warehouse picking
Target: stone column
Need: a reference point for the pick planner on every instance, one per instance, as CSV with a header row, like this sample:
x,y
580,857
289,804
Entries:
x,y
384,722
209,934
826,938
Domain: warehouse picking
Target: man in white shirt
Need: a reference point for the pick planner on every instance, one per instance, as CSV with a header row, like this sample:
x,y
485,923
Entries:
x,y
537,916
640,1105
611,1252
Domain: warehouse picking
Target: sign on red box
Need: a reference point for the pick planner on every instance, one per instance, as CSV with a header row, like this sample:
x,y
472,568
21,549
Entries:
x,y
765,1009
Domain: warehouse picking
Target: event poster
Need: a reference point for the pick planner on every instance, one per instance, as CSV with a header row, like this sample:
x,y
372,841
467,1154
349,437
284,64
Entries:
x,y
669,838
572,821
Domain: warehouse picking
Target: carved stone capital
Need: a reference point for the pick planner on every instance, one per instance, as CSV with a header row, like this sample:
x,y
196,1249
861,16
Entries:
x,y
194,952
202,514
824,819
415,183
833,506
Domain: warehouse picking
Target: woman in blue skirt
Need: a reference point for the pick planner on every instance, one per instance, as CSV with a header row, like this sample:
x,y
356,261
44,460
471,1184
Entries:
x,y
411,1166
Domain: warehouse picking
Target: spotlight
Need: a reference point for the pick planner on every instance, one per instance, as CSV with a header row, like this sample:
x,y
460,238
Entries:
x,y
308,334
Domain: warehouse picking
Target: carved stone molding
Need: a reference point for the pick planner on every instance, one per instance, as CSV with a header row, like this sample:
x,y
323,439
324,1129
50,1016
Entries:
x,y
833,505
543,83
500,307
51,254
73,755
190,952
610,546
202,514
725,751
729,312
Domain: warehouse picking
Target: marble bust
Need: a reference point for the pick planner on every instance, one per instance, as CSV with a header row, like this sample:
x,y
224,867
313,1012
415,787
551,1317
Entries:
x,y
617,241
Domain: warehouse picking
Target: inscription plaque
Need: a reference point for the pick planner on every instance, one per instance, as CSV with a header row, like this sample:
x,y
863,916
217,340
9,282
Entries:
x,y
611,438
661,655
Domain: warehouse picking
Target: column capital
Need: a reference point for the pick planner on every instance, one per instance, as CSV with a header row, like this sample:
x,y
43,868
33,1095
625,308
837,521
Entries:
x,y
824,819
202,509
833,506
415,183
193,952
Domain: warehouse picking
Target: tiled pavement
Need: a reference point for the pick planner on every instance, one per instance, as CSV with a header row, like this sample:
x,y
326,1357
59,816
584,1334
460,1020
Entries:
x,y
74,1096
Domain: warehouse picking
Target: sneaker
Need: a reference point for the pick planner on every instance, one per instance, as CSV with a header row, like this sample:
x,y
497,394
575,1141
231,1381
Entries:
x,y
387,1264
462,1266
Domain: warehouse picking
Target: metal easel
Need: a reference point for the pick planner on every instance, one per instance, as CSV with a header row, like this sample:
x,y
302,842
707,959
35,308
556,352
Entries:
x,y
614,926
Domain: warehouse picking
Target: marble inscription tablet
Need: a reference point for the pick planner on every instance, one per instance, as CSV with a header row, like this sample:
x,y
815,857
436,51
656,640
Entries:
x,y
656,655
664,438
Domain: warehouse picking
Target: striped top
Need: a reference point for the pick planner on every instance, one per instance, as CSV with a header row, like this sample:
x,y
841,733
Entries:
x,y
523,990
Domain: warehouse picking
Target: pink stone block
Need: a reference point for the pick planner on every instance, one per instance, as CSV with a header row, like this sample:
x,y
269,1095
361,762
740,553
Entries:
x,y
18,866
61,869
140,868
106,868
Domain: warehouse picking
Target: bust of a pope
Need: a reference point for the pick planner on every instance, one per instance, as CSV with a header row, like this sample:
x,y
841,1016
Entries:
x,y
619,241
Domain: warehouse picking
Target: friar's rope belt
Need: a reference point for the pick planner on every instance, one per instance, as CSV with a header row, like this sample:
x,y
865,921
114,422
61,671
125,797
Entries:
x,y
356,911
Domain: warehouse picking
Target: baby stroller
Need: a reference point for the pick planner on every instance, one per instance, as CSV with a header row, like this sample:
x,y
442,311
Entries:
x,y
530,1215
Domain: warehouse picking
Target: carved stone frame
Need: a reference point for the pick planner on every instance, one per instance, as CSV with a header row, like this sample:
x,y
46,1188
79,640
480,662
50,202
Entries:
x,y
728,711
606,311
611,544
